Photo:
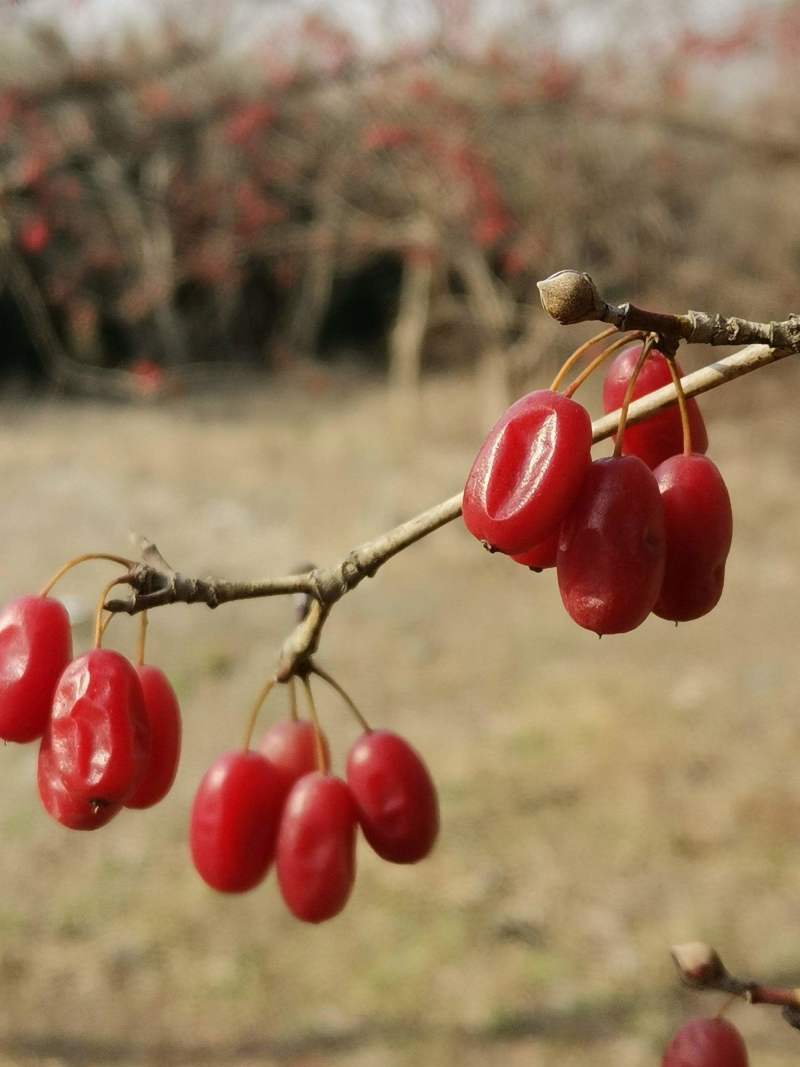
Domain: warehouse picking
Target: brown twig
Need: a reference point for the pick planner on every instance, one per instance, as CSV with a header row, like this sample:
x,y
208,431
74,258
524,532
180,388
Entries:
x,y
700,967
570,296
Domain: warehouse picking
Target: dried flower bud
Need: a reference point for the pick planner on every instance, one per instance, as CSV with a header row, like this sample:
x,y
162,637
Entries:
x,y
569,296
699,965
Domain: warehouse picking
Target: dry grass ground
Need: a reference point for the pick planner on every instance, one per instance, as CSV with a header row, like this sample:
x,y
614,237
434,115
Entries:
x,y
600,800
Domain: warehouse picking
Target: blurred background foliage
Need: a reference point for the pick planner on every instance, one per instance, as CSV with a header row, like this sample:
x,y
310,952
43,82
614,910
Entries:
x,y
174,196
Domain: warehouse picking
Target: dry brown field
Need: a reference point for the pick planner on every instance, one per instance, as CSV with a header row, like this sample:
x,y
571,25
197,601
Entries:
x,y
600,799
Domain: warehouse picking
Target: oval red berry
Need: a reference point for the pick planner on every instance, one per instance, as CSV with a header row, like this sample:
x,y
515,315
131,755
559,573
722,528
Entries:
x,y
164,721
98,732
706,1043
234,821
35,647
699,529
542,556
612,547
76,813
395,797
315,857
661,435
291,746
528,472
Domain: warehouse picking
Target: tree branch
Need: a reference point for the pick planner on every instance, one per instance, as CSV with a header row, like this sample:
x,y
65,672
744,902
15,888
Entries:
x,y
154,583
700,967
570,296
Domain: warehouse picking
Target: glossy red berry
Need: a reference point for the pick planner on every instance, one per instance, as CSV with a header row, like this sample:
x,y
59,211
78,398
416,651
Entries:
x,y
76,813
541,556
612,548
660,436
699,529
35,647
315,857
98,736
234,821
164,720
528,472
706,1043
290,745
395,797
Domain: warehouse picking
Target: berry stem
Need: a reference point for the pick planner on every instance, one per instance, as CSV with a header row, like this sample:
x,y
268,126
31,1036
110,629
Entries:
x,y
121,560
344,695
322,759
570,361
99,626
623,415
293,713
600,359
685,425
142,638
266,689
726,1005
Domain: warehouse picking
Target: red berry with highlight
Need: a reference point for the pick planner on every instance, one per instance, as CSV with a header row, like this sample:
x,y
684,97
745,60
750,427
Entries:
x,y
290,745
234,821
76,813
35,647
699,530
98,735
164,719
315,859
528,472
661,435
542,556
706,1043
612,548
395,797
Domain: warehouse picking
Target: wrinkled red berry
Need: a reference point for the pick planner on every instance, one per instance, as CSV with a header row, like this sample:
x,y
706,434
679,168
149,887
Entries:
x,y
35,647
528,472
395,797
290,745
98,736
612,548
315,856
234,821
164,720
706,1043
76,813
541,556
661,435
699,529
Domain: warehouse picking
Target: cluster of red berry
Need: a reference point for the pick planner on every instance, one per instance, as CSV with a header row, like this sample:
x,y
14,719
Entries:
x,y
281,803
110,731
711,1042
110,736
646,530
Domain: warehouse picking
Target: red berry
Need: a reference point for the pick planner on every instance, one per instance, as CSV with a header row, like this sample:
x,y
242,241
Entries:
x,y
77,813
291,746
661,435
35,647
98,735
395,797
164,718
706,1043
234,821
315,857
611,553
541,556
699,528
528,472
